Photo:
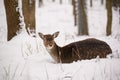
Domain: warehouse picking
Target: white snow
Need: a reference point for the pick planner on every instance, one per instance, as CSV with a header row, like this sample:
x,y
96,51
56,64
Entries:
x,y
3,24
25,57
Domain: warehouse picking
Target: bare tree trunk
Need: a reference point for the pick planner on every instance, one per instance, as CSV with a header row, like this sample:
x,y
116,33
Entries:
x,y
40,2
102,2
74,12
60,1
119,15
109,16
91,3
29,14
12,17
53,0
82,19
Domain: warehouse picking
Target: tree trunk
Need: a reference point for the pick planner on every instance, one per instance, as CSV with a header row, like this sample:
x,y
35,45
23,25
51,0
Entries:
x,y
119,15
12,18
82,19
53,0
40,2
74,12
60,1
102,2
109,16
29,14
91,3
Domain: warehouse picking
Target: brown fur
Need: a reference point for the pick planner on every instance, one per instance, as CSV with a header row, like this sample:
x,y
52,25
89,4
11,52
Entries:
x,y
85,49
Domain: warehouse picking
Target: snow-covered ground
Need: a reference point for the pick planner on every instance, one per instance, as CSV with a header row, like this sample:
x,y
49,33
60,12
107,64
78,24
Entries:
x,y
25,58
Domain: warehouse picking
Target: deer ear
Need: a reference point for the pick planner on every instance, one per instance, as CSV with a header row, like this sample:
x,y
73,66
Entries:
x,y
56,34
41,35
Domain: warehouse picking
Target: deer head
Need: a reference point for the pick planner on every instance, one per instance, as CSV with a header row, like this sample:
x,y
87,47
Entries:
x,y
48,39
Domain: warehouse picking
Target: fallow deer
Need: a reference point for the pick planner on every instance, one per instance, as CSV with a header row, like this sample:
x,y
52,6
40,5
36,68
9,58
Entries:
x,y
80,50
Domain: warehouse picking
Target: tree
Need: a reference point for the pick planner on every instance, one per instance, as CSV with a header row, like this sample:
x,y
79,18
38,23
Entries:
x,y
40,2
91,3
74,12
116,5
102,2
53,0
61,2
29,14
109,17
12,17
82,19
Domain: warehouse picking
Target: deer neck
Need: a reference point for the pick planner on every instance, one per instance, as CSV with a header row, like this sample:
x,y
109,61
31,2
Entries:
x,y
54,52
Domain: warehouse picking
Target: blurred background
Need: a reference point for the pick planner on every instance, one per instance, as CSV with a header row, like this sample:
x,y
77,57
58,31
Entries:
x,y
70,17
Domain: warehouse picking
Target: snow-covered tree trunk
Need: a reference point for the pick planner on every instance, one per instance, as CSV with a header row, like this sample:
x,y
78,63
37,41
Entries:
x,y
82,19
29,14
12,18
